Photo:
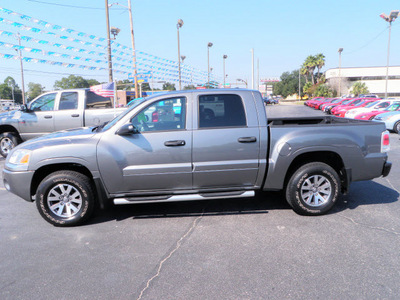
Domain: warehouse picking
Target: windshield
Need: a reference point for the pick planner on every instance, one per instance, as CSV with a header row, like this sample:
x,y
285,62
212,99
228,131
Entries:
x,y
347,101
371,104
123,114
393,107
336,100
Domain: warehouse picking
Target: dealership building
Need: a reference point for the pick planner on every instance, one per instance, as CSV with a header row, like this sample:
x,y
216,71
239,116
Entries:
x,y
373,77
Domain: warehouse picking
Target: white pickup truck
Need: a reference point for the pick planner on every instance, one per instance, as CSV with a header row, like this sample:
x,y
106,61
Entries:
x,y
54,111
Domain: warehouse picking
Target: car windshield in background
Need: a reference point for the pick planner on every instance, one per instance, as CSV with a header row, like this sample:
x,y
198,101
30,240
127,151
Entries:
x,y
123,114
371,104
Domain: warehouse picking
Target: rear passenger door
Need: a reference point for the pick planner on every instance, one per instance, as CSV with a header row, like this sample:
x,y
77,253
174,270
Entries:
x,y
68,114
225,144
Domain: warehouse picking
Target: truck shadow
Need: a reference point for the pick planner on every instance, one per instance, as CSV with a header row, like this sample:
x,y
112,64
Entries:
x,y
361,193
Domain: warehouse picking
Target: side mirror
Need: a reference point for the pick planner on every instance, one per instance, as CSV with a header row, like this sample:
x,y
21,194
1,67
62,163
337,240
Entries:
x,y
23,108
127,129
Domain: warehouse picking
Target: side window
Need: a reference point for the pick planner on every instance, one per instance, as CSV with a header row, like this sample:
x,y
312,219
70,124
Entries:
x,y
168,114
383,105
44,103
94,101
221,111
68,100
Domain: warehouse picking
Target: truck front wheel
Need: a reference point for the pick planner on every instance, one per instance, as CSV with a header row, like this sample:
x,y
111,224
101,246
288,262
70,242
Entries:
x,y
313,189
8,141
65,198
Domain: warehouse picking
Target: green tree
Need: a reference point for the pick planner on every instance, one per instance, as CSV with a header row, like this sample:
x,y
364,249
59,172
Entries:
x,y
169,86
311,63
34,90
359,88
189,87
308,89
289,84
74,82
146,86
322,90
5,91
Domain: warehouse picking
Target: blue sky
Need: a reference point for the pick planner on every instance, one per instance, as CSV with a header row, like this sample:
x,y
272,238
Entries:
x,y
282,33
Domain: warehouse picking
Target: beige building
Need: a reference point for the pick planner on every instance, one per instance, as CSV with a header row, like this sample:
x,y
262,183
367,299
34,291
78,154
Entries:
x,y
373,77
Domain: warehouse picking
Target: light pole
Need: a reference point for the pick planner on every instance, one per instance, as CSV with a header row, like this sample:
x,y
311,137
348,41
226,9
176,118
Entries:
x,y
393,15
252,68
179,25
132,40
209,45
244,81
340,65
223,59
110,74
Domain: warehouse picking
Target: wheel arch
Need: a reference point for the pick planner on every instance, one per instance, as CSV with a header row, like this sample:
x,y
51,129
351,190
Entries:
x,y
9,128
98,187
330,158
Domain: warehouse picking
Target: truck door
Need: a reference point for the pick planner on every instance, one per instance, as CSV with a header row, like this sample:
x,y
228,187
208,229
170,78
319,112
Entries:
x,y
158,158
68,113
39,119
225,144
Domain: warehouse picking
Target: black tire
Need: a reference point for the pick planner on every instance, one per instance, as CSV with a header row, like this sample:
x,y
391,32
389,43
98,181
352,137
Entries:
x,y
313,189
8,141
396,127
65,198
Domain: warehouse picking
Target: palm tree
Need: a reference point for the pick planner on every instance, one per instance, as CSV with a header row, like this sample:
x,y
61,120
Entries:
x,y
320,60
310,63
304,72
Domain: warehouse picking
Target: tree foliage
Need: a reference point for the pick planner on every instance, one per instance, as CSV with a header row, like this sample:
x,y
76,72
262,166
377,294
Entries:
x,y
34,90
189,87
169,86
74,82
7,88
359,88
289,84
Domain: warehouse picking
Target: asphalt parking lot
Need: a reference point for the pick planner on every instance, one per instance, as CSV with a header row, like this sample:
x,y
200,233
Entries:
x,y
255,248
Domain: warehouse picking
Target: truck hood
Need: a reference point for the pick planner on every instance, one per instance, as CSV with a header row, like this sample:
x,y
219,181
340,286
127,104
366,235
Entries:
x,y
9,115
70,136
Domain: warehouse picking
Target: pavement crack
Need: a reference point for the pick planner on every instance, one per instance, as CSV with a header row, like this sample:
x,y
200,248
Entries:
x,y
177,246
370,227
392,185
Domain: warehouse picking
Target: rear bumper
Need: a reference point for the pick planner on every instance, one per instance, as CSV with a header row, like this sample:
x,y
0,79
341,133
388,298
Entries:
x,y
386,168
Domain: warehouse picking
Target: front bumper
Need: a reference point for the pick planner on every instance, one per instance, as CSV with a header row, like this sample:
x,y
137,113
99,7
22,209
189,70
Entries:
x,y
18,183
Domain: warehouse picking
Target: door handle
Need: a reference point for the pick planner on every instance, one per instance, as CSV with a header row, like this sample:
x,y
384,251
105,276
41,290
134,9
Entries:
x,y
48,117
75,115
247,139
175,143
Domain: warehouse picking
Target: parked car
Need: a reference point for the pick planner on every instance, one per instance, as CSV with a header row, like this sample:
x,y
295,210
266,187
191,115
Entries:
x,y
334,101
352,102
373,106
391,118
329,107
54,111
372,114
326,101
342,111
189,156
314,100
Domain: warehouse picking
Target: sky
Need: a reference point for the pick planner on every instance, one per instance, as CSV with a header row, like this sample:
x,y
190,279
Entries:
x,y
282,34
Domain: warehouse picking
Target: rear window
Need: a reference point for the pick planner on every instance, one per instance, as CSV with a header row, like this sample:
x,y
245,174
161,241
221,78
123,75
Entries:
x,y
94,101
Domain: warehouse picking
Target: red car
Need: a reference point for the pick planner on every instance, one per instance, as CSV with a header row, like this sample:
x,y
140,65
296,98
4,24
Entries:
x,y
315,99
327,101
352,102
341,112
323,105
329,107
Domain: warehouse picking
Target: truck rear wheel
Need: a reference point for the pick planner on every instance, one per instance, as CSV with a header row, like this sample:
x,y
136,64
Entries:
x,y
8,141
313,189
65,198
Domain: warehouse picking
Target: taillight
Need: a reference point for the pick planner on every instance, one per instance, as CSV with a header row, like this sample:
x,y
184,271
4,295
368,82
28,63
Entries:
x,y
385,141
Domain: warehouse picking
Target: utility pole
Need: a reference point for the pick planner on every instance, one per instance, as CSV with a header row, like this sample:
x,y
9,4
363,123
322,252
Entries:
x,y
22,69
110,74
340,75
133,48
252,68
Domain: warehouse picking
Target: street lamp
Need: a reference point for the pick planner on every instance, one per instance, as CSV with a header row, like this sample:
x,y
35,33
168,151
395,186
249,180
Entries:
x,y
244,81
223,59
209,45
114,31
340,77
179,25
393,15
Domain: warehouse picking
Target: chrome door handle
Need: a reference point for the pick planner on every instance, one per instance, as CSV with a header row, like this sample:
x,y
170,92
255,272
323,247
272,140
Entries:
x,y
175,143
48,117
247,139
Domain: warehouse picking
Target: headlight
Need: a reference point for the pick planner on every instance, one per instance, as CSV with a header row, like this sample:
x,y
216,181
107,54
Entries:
x,y
378,118
20,157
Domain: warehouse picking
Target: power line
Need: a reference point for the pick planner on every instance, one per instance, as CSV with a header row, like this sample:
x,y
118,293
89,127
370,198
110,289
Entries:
x,y
72,6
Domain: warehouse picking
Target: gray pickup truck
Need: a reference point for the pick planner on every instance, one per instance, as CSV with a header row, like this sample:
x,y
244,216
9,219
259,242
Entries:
x,y
171,147
54,111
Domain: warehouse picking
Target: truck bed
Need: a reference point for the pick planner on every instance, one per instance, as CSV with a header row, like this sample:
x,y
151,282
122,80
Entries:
x,y
315,121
